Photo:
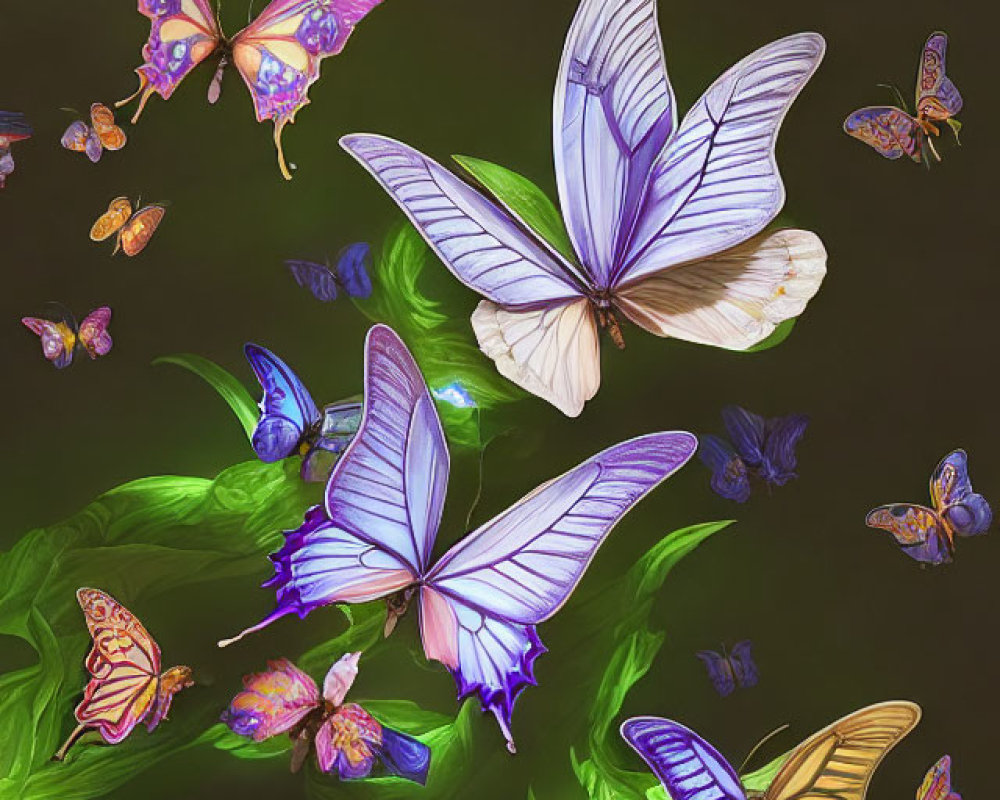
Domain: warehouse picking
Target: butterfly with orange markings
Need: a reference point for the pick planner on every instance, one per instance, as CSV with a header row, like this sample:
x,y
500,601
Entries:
x,y
126,686
60,338
102,134
132,231
278,55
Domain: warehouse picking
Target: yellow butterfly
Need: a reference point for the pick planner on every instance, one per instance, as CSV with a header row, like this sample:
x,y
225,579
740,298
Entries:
x,y
835,764
133,230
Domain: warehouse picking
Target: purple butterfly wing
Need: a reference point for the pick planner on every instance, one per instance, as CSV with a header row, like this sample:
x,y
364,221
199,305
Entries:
x,y
287,409
317,278
937,97
688,767
614,111
53,344
94,148
744,667
716,184
720,671
482,245
888,130
747,432
968,513
93,333
781,438
729,474
352,269
918,531
480,603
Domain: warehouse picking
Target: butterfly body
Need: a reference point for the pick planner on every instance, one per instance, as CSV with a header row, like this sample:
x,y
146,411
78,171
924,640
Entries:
x,y
348,741
730,671
757,448
479,604
102,134
132,231
126,686
665,221
837,763
892,131
14,127
937,782
278,54
928,534
60,339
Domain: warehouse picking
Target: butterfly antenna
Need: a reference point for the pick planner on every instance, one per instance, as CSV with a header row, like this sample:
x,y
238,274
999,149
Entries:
x,y
760,744
479,484
895,93
249,12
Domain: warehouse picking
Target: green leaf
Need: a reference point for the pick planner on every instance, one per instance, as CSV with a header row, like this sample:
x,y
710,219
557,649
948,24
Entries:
x,y
782,332
760,779
231,390
525,199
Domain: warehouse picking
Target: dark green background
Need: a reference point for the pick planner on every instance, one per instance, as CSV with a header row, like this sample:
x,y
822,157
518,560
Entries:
x,y
894,360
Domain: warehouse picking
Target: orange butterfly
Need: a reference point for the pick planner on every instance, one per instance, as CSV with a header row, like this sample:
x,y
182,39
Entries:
x,y
102,134
126,684
133,230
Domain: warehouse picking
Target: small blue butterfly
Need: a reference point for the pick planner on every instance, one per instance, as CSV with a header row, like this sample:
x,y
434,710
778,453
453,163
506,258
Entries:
x,y
350,274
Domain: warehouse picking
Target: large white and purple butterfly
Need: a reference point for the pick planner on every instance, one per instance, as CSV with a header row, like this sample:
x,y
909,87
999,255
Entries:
x,y
480,603
665,219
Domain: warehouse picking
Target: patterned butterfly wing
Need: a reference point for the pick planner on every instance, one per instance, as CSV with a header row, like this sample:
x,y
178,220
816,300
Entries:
x,y
838,762
102,119
720,671
891,132
688,766
744,667
317,278
730,478
287,408
936,784
137,232
782,435
58,340
353,265
919,531
272,702
111,221
124,664
937,97
78,138
93,333
481,602
279,54
747,431
965,512
183,34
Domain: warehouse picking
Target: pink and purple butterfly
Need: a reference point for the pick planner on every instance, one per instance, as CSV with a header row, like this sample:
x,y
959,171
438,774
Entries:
x,y
290,422
348,741
479,604
892,131
61,338
937,782
350,275
665,222
926,534
14,127
731,670
758,448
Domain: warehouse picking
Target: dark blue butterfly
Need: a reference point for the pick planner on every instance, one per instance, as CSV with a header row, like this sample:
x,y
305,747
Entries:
x,y
760,448
731,671
350,274
290,423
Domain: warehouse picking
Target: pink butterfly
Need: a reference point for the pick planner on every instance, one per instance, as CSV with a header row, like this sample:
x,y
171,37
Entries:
x,y
60,339
278,54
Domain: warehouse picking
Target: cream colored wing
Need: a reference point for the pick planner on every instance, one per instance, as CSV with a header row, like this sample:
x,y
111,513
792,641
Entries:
x,y
551,352
734,299
838,762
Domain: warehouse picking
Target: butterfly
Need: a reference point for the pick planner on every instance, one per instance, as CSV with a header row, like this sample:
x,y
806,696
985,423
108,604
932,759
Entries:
x,y
730,671
278,54
348,741
480,603
892,131
102,134
937,782
836,764
350,275
132,232
761,448
665,220
61,339
126,686
290,423
928,534
14,127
